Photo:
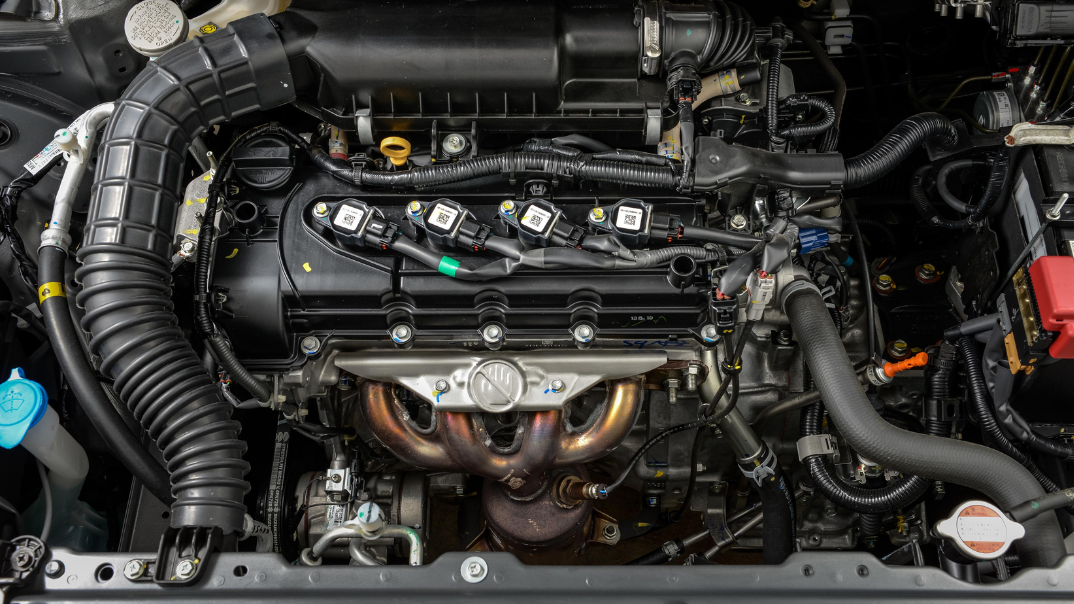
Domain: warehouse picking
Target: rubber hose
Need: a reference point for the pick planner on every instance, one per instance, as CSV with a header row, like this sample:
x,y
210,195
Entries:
x,y
894,148
657,556
730,38
821,55
777,505
127,251
941,183
863,500
990,472
924,206
1040,505
978,400
871,524
124,445
809,130
997,181
707,235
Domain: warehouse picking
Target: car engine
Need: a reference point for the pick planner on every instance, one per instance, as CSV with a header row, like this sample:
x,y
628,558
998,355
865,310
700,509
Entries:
x,y
549,298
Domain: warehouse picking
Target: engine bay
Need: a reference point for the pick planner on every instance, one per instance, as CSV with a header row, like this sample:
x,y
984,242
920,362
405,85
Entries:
x,y
476,299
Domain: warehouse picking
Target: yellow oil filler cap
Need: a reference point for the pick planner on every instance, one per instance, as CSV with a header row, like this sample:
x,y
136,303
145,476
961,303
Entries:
x,y
396,149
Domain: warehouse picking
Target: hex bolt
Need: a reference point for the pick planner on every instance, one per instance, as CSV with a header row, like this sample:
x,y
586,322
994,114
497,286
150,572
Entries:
x,y
134,569
596,215
557,385
898,349
492,334
609,531
474,570
454,144
310,345
709,334
926,272
672,386
885,283
185,569
402,333
738,221
783,338
415,208
187,247
441,385
692,372
508,208
743,97
583,333
54,569
321,209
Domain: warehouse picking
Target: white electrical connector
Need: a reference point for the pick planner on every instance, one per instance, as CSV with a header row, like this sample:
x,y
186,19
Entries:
x,y
762,289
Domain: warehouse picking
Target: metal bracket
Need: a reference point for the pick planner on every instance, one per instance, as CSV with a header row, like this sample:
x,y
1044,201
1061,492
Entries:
x,y
1028,133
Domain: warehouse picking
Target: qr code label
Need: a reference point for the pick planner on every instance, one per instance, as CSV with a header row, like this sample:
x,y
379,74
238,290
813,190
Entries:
x,y
536,219
442,217
629,219
336,516
349,218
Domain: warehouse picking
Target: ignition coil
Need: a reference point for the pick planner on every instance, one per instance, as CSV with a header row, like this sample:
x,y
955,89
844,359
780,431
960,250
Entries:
x,y
448,224
634,222
541,224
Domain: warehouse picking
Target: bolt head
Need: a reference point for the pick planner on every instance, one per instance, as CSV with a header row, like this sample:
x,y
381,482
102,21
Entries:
x,y
508,208
492,333
134,569
415,208
321,209
926,272
609,531
187,246
885,282
185,569
738,221
454,143
402,334
474,570
743,97
899,348
54,569
597,215
557,385
583,333
441,385
310,344
709,333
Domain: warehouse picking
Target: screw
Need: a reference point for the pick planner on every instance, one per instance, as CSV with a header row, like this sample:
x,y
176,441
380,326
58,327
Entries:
x,y
185,569
321,209
714,158
672,385
885,283
54,569
898,348
492,334
22,559
336,478
557,385
691,378
134,569
926,272
415,208
1057,209
187,247
783,338
744,98
596,215
583,333
738,221
310,344
401,334
454,144
508,208
709,334
609,531
441,386
474,570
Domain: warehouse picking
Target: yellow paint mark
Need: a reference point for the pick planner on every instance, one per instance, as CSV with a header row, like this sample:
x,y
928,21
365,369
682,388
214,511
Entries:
x,y
191,231
207,177
189,203
202,199
659,473
306,265
234,252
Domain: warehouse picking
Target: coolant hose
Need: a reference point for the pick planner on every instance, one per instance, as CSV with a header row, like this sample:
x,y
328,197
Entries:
x,y
81,377
127,248
900,493
977,467
894,148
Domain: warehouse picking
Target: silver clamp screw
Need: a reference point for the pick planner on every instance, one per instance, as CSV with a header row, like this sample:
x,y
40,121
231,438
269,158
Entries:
x,y
134,569
583,333
492,334
185,569
709,334
321,209
402,334
310,345
415,209
508,208
474,570
557,385
441,386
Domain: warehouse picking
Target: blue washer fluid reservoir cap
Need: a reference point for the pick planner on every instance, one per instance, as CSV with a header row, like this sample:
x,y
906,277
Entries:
x,y
23,403
812,239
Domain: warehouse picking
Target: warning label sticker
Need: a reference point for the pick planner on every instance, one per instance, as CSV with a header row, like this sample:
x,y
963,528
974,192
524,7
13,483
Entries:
x,y
981,529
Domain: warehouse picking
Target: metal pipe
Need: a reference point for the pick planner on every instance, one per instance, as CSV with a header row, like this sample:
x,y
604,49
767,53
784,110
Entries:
x,y
725,542
361,555
743,440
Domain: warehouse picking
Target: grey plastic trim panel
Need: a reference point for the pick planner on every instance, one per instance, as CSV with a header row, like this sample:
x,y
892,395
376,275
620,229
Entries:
x,y
804,577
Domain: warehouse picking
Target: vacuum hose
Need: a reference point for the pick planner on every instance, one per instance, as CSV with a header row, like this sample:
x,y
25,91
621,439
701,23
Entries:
x,y
990,472
127,250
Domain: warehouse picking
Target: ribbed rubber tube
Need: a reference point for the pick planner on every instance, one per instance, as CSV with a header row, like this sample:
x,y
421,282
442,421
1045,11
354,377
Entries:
x,y
775,59
128,245
894,148
809,130
977,467
123,443
553,165
900,493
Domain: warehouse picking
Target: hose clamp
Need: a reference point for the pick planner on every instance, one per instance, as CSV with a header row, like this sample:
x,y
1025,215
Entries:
x,y
762,469
817,444
794,287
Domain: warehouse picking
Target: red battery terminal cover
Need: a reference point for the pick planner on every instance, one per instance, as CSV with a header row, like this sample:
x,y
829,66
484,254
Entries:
x,y
1053,285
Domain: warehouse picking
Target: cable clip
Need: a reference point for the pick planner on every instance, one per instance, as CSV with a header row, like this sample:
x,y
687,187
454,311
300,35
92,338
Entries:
x,y
818,444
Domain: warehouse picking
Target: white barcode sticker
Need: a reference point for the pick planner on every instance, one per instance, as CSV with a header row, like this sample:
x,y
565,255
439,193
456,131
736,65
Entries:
x,y
442,217
336,515
349,217
628,218
536,219
39,161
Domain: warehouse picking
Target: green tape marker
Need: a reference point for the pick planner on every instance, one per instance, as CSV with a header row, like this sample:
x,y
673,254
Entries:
x,y
448,266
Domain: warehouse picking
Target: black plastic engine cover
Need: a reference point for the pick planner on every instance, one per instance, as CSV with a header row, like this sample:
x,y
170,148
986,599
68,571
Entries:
x,y
277,293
